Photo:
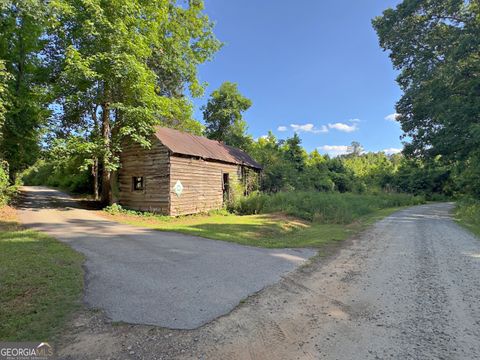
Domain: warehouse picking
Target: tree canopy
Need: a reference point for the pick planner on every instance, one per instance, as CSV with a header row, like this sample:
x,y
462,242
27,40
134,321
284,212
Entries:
x,y
125,66
436,47
223,116
25,78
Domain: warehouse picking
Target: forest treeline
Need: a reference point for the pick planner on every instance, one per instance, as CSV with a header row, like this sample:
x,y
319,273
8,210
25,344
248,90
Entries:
x,y
78,77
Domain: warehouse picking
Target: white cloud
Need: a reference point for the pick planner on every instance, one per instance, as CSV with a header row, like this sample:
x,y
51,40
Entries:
x,y
355,120
391,151
282,128
343,127
309,128
261,137
335,150
392,117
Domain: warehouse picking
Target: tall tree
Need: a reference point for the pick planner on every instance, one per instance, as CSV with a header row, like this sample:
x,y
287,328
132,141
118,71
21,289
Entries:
x,y
223,116
295,152
22,45
124,67
436,47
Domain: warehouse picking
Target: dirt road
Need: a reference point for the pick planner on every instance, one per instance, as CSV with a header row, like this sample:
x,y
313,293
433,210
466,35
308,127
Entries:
x,y
408,288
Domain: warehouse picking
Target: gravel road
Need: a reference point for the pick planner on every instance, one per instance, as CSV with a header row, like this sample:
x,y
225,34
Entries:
x,y
408,288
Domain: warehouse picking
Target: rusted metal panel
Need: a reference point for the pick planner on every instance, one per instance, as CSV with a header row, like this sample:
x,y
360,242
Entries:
x,y
179,142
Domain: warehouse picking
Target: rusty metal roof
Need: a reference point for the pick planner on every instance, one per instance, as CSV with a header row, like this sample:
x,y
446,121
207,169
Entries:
x,y
184,143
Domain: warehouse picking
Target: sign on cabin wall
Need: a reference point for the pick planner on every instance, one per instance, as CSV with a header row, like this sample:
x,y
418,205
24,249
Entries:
x,y
178,188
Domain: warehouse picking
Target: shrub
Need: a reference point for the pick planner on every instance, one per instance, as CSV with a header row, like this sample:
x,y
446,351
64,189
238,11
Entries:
x,y
7,191
468,211
334,208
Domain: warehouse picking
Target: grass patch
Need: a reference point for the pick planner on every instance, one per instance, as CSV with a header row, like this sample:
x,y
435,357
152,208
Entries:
x,y
41,282
265,230
467,214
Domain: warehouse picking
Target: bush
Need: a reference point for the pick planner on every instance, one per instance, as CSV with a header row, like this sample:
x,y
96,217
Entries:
x,y
7,191
334,208
468,212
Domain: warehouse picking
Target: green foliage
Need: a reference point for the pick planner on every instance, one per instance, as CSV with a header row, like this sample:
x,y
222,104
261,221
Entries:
x,y
8,191
468,214
330,208
25,79
223,116
4,97
135,77
4,183
467,176
64,170
436,45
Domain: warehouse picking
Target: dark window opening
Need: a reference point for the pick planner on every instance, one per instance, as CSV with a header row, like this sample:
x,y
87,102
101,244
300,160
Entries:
x,y
226,187
138,183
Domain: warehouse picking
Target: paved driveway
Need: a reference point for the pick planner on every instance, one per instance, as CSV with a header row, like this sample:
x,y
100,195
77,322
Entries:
x,y
144,276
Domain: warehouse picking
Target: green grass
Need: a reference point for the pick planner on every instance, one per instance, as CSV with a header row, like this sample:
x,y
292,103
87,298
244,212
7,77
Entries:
x,y
467,213
41,282
266,230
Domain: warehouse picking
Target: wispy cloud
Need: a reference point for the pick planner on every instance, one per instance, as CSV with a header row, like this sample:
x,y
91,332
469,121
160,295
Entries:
x,y
355,120
334,150
392,117
391,151
309,128
282,128
343,127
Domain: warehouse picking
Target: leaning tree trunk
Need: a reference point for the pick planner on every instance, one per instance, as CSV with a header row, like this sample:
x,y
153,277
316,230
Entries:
x,y
106,187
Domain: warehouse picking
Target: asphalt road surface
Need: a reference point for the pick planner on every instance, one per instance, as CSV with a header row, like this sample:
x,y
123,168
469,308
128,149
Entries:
x,y
144,276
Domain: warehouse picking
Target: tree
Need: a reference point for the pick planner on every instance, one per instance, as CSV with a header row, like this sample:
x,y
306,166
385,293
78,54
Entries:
x,y
295,153
436,47
223,116
22,25
355,148
124,67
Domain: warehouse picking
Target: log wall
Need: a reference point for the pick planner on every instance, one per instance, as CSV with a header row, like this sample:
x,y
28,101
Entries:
x,y
153,165
202,184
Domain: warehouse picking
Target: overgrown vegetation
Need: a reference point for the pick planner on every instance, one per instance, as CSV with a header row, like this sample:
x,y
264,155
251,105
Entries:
x,y
7,190
324,208
468,214
41,282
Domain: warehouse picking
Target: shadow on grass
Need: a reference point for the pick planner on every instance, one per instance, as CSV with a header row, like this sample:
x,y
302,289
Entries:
x,y
41,284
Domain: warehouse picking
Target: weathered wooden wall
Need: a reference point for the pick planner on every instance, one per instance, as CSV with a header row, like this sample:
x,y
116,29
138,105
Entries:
x,y
153,165
202,184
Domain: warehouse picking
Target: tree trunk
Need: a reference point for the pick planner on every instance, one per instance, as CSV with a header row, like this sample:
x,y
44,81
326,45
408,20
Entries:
x,y
95,178
106,188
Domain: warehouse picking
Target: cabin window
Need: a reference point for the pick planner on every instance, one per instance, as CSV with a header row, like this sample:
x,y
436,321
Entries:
x,y
138,183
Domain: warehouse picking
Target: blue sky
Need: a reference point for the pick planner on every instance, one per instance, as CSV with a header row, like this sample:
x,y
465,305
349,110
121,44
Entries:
x,y
309,66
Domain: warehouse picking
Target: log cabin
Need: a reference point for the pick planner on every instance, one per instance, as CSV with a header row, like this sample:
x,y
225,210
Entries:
x,y
181,173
